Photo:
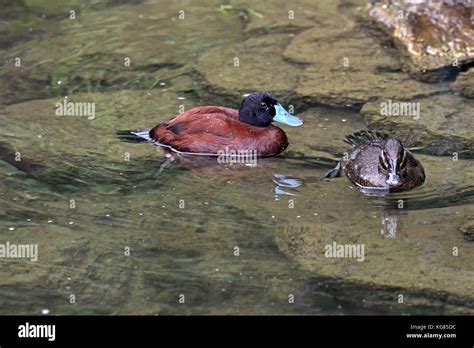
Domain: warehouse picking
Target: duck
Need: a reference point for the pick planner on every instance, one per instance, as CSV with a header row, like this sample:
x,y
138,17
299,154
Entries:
x,y
379,162
209,130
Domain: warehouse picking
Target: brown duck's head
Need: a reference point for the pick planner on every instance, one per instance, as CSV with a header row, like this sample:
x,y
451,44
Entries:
x,y
393,162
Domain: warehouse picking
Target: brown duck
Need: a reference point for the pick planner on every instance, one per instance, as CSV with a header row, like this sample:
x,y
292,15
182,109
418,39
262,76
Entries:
x,y
379,162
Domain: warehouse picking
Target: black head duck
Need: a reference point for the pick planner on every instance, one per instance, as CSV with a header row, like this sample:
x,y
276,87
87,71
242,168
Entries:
x,y
379,162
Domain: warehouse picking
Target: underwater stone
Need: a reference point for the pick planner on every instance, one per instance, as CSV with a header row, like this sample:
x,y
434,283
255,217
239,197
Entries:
x,y
433,37
444,125
464,84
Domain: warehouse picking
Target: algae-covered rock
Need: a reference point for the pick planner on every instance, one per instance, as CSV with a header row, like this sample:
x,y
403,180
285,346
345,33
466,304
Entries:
x,y
322,134
467,230
442,127
255,65
351,68
464,84
430,35
63,149
281,15
410,241
337,64
123,47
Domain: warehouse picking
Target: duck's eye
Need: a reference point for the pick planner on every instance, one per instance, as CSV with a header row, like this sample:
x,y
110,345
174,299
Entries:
x,y
263,105
383,161
403,161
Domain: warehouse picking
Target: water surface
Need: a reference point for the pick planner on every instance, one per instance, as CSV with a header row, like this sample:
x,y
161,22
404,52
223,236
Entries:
x,y
133,236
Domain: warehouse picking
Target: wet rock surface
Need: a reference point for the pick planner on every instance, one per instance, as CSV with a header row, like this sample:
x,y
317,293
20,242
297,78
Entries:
x,y
121,49
406,250
443,127
337,62
467,230
464,84
430,35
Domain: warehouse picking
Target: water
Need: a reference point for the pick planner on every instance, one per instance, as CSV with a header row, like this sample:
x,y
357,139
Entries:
x,y
118,236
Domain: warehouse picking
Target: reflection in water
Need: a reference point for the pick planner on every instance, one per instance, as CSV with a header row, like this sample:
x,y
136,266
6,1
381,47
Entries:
x,y
282,181
389,226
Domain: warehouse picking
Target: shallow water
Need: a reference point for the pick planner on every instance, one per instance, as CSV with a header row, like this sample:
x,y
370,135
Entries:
x,y
133,236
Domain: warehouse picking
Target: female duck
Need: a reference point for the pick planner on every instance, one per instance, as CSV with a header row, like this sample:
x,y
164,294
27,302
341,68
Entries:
x,y
380,163
206,130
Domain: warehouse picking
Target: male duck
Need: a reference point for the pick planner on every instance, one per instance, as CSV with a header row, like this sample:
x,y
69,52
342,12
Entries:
x,y
206,130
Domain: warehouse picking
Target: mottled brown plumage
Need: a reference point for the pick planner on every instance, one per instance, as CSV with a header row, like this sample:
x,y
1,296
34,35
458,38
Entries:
x,y
382,164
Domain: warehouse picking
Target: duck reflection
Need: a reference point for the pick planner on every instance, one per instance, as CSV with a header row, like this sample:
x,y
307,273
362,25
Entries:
x,y
389,226
285,184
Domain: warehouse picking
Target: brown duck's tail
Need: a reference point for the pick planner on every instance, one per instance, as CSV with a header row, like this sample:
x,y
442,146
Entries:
x,y
135,136
363,136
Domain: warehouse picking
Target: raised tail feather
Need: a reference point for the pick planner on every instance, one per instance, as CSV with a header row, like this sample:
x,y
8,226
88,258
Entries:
x,y
354,140
363,136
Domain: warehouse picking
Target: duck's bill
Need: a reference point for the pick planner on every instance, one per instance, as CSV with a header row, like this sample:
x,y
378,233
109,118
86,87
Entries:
x,y
393,180
283,116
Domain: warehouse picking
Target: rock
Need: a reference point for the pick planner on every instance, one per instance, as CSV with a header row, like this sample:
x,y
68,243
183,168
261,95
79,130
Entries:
x,y
346,65
406,250
281,15
464,84
322,135
337,64
443,127
433,37
152,38
467,230
255,65
49,144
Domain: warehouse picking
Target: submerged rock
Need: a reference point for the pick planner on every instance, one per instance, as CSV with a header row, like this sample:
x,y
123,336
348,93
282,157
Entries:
x,y
255,65
464,84
434,37
336,63
407,249
280,15
130,46
439,125
351,68
468,231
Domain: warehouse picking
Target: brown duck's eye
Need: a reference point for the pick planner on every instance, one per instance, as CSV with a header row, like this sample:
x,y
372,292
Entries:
x,y
403,160
383,161
263,105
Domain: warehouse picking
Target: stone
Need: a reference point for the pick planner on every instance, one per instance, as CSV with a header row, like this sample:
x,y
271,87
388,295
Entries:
x,y
434,38
443,128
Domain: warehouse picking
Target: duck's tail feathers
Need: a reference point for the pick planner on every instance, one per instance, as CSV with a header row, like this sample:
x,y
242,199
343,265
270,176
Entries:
x,y
135,136
363,136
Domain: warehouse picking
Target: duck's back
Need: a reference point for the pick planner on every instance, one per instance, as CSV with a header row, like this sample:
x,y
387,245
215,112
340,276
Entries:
x,y
361,165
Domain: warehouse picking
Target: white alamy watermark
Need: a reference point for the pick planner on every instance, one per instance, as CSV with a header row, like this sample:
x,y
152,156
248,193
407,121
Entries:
x,y
28,330
398,108
349,251
69,108
24,251
231,156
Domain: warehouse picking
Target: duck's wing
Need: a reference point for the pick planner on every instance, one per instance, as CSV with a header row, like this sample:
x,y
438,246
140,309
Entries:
x,y
361,165
205,130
